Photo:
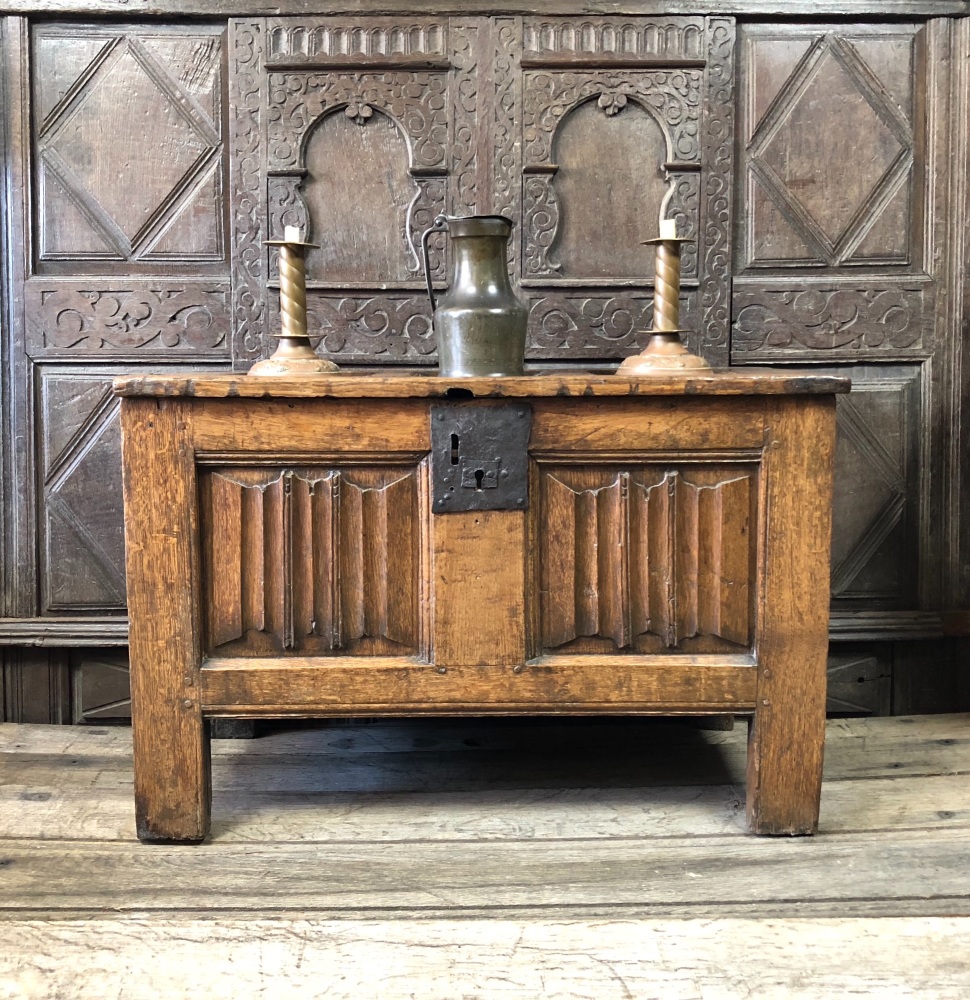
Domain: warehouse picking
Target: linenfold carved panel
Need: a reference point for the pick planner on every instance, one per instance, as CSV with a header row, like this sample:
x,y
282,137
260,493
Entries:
x,y
311,560
646,557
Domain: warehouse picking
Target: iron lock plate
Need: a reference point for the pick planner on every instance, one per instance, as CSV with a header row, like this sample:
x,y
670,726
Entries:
x,y
479,456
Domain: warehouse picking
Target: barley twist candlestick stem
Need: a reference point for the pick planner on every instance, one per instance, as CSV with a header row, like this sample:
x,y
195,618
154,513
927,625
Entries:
x,y
665,351
293,355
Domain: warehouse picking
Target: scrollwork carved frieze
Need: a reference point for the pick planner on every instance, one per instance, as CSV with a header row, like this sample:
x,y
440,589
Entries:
x,y
597,325
247,208
102,317
845,320
385,326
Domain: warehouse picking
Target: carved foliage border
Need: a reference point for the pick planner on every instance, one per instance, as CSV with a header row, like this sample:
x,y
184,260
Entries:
x,y
245,169
125,318
673,94
837,321
717,169
418,100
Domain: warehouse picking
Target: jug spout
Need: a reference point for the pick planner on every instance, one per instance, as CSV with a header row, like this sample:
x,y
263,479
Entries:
x,y
480,323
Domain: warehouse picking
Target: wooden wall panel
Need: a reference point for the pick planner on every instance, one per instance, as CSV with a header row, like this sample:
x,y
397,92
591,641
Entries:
x,y
820,171
844,158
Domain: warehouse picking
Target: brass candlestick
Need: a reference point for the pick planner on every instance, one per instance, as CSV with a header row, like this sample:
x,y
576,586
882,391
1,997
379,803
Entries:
x,y
293,355
665,351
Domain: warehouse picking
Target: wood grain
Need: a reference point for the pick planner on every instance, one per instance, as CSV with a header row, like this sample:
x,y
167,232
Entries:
x,y
613,959
726,383
172,774
788,730
479,589
678,877
554,684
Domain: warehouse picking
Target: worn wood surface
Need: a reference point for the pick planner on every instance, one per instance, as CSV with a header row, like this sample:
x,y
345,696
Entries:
x,y
319,578
485,780
505,857
443,857
402,386
785,743
682,960
171,747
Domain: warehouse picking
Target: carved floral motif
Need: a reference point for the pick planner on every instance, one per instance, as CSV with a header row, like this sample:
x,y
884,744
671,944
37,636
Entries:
x,y
673,96
857,319
600,326
145,319
387,326
415,100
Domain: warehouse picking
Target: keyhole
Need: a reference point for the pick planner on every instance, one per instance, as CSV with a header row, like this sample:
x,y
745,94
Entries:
x,y
479,476
454,449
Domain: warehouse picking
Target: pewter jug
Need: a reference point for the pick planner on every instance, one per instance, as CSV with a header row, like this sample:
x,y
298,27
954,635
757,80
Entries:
x,y
479,322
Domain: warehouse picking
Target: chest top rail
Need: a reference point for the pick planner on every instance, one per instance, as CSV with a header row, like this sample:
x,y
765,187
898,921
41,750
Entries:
x,y
349,386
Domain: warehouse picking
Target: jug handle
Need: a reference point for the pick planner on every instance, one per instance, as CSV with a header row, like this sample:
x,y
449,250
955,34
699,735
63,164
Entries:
x,y
440,224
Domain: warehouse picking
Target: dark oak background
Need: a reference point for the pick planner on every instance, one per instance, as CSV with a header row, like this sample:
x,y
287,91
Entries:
x,y
819,168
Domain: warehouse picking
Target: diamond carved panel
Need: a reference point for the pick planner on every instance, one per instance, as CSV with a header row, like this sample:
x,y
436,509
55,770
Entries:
x,y
831,151
129,145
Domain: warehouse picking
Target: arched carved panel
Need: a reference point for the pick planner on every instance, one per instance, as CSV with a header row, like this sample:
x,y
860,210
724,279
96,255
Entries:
x,y
358,191
609,186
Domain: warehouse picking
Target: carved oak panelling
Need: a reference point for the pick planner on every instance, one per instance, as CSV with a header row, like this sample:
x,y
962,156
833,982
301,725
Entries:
x,y
382,327
100,688
876,529
679,39
717,179
646,557
805,322
83,547
831,165
153,193
247,85
311,560
595,325
293,40
414,100
599,147
133,318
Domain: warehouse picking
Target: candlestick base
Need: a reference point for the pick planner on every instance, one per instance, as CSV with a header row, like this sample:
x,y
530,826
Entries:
x,y
294,356
665,353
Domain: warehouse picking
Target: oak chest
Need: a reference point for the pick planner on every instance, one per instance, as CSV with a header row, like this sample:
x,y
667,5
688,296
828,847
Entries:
x,y
364,545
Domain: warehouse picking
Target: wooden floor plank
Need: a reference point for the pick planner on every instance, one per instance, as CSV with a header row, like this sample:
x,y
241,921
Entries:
x,y
52,812
676,876
892,959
